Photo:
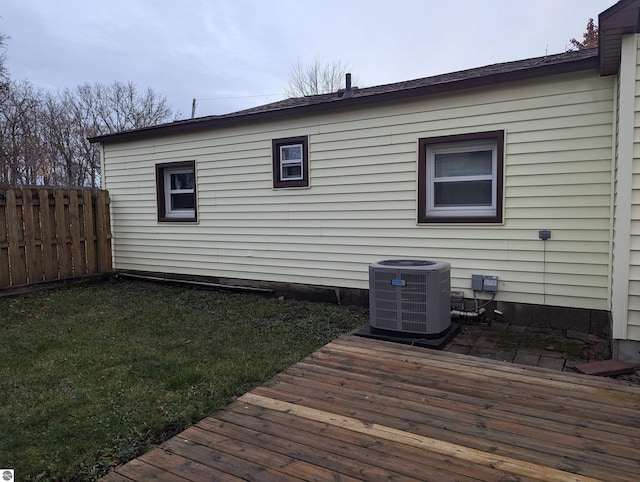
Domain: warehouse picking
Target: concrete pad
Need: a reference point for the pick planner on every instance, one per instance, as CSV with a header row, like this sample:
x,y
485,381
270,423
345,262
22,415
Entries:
x,y
524,358
551,362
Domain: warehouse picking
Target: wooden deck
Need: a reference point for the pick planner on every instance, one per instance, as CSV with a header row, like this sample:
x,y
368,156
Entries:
x,y
360,409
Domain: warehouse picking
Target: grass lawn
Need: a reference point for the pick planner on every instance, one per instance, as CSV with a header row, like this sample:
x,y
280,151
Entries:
x,y
94,376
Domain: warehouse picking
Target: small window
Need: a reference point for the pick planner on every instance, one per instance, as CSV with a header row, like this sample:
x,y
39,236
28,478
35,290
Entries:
x,y
460,178
176,191
290,162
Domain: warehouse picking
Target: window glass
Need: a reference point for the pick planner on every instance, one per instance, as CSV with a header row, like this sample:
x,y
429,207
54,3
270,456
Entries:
x,y
292,171
182,201
463,193
291,153
474,163
182,180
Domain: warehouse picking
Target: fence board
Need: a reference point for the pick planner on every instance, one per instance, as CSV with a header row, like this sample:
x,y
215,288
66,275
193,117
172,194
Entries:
x,y
31,225
62,233
51,234
89,234
47,230
77,247
5,276
17,260
103,231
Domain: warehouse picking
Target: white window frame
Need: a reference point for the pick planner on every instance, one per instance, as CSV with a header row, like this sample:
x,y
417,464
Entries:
x,y
164,171
180,212
291,162
460,147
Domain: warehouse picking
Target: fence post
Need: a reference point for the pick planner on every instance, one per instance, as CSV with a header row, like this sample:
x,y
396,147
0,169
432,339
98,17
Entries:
x,y
103,232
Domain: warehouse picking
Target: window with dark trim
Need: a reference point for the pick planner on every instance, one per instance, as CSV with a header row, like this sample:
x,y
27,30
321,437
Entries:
x,y
176,191
460,178
290,162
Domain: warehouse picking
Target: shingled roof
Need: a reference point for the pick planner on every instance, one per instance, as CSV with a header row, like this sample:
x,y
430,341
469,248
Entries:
x,y
296,106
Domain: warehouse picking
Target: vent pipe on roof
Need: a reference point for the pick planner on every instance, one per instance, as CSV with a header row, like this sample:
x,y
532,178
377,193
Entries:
x,y
347,91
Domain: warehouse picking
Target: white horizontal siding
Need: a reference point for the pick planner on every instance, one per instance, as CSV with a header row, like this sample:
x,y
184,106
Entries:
x,y
633,328
361,203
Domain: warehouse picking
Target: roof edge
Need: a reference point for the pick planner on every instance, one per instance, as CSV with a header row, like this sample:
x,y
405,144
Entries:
x,y
465,79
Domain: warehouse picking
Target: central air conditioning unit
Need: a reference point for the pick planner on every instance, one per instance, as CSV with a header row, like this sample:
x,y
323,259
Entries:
x,y
410,296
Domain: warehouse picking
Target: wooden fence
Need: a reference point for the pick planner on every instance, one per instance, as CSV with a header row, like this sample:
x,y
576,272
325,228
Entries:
x,y
53,234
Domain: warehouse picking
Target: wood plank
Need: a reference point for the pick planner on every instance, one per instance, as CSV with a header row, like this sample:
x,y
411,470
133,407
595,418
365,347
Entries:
x,y
62,233
33,253
496,391
478,457
103,231
584,428
184,467
526,431
548,383
115,477
5,275
141,472
77,248
425,356
89,232
328,437
457,429
238,466
294,462
325,459
47,232
17,260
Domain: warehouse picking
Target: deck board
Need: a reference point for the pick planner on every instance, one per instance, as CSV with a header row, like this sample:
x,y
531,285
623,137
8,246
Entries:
x,y
362,409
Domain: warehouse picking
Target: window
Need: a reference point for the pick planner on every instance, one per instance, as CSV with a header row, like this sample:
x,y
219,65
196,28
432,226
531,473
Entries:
x,y
290,162
460,178
176,191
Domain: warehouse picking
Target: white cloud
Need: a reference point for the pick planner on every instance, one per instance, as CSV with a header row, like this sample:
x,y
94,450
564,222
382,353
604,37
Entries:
x,y
244,48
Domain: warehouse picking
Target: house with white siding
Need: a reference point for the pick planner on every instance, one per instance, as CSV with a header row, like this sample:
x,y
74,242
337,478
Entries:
x,y
467,167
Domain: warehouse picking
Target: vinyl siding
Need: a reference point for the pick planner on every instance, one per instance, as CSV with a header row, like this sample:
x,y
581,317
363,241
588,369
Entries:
x,y
633,318
361,203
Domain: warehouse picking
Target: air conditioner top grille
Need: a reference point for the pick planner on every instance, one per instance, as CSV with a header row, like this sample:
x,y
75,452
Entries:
x,y
412,265
406,262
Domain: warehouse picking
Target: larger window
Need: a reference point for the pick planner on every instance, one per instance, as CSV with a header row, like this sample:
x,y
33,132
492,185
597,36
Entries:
x,y
290,162
176,191
460,178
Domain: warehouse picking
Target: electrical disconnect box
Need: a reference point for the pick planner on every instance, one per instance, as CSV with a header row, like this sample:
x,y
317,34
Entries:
x,y
485,282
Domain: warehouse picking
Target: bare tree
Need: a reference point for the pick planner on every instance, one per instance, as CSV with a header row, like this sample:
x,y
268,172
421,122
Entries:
x,y
23,149
43,137
590,38
318,77
94,109
121,106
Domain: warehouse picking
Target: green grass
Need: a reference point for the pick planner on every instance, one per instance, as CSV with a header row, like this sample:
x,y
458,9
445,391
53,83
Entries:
x,y
94,376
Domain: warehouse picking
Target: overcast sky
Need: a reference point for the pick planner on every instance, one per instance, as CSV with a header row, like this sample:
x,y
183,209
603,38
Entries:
x,y
234,54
